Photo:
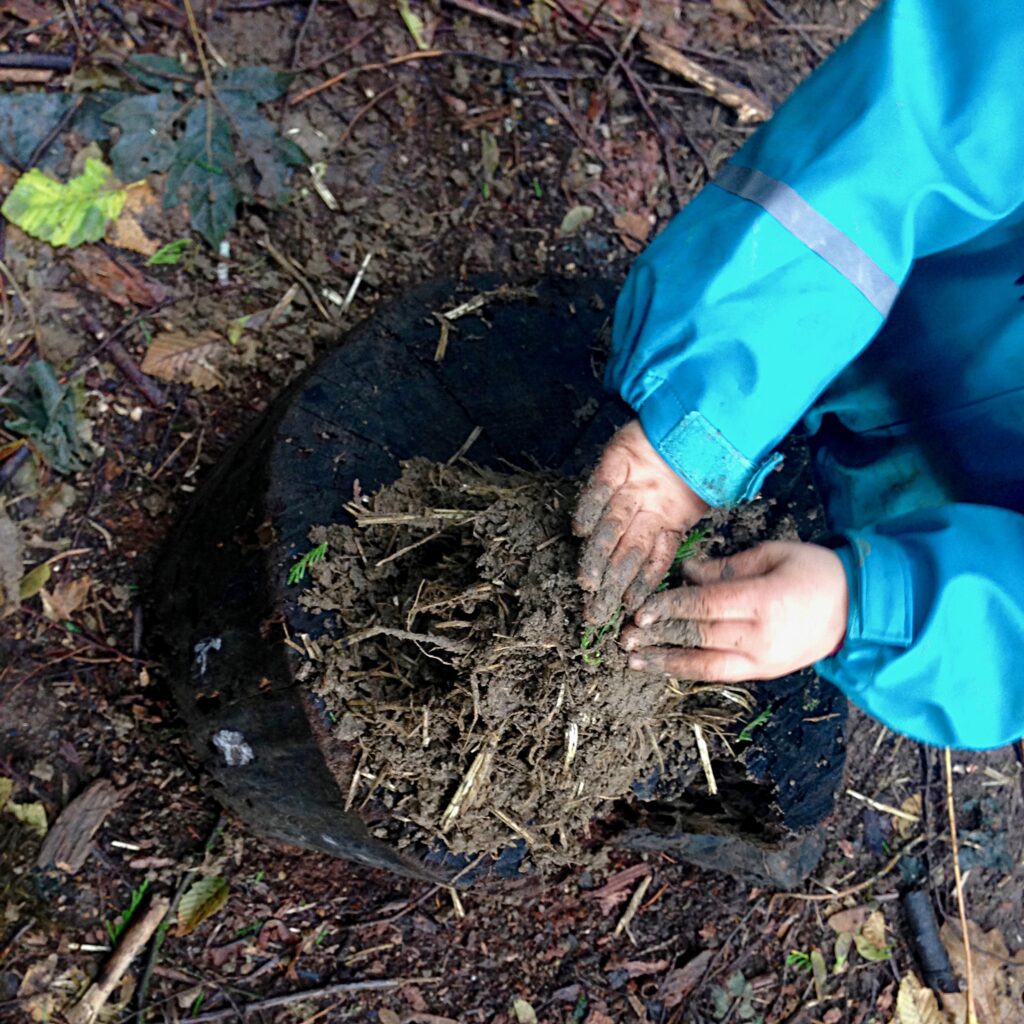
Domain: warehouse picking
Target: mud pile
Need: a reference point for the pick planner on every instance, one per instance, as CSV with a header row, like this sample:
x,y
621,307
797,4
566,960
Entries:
x,y
480,708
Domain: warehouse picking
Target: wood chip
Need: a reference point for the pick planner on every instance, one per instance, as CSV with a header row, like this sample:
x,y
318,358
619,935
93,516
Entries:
x,y
68,842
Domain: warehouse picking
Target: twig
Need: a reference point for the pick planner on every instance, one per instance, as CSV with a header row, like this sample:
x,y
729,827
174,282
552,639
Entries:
x,y
470,7
356,281
634,905
749,107
954,842
291,268
443,642
62,122
143,382
211,93
877,805
342,75
634,84
569,118
362,112
137,935
303,29
47,61
377,985
798,29
852,890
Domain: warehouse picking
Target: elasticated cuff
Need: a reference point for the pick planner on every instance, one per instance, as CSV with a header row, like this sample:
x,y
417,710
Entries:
x,y
700,454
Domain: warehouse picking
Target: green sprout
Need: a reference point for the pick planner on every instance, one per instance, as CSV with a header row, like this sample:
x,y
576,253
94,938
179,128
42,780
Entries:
x,y
746,735
687,549
114,930
594,636
297,572
798,958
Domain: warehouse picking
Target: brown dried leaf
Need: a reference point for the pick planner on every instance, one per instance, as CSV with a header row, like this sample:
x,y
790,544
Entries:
x,y
27,10
678,984
998,988
121,283
614,891
848,920
66,598
185,359
127,231
916,1004
737,8
912,805
636,968
636,225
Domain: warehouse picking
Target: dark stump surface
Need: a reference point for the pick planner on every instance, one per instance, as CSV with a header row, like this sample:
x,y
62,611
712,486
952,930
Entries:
x,y
527,371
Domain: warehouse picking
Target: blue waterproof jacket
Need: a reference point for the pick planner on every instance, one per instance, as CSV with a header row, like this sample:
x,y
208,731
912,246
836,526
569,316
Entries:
x,y
856,265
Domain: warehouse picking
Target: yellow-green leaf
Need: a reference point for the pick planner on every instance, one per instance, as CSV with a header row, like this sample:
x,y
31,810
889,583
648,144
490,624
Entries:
x,y
6,788
34,581
870,938
32,816
69,213
414,23
203,899
525,1013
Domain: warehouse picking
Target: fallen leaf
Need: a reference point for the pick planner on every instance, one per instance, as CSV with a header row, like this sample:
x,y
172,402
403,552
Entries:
x,y
678,984
201,900
68,213
841,951
34,580
614,891
848,920
6,788
524,1012
490,155
32,816
916,1004
220,955
386,1016
833,1016
11,565
126,232
737,8
185,359
819,972
636,968
998,987
913,805
170,254
66,598
870,939
121,283
414,23
636,225
575,219
27,10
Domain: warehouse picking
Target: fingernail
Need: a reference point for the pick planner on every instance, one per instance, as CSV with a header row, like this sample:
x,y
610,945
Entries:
x,y
644,618
629,643
637,663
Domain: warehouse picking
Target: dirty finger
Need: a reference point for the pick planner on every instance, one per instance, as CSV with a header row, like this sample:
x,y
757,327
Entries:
x,y
654,571
696,664
597,550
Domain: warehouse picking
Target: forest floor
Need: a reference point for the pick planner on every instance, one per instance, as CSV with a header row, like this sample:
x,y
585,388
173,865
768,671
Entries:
x,y
521,138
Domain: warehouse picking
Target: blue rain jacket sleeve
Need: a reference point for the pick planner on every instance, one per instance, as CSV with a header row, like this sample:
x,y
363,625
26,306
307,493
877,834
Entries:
x,y
936,623
748,305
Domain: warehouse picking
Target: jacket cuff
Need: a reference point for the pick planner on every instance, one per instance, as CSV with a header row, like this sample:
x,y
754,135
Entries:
x,y
880,624
699,453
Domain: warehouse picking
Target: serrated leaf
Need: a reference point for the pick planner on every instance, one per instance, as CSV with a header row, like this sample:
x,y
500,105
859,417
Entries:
x,y
575,219
32,816
201,900
414,23
916,1004
170,254
65,214
182,358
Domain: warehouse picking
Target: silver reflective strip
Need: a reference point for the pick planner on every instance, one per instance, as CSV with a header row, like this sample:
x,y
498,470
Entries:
x,y
802,221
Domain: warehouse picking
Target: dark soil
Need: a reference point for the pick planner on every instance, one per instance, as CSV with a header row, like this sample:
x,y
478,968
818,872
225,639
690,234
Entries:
x,y
483,709
80,699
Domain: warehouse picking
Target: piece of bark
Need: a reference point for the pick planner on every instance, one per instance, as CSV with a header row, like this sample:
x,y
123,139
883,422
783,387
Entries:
x,y
68,842
135,938
749,107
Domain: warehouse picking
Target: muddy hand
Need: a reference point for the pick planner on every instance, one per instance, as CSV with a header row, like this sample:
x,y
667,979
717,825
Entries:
x,y
760,614
632,512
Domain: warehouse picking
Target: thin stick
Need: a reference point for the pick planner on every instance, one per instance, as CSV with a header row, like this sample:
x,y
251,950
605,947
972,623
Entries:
x,y
470,7
969,966
138,934
403,634
358,279
705,759
341,76
634,905
376,985
877,805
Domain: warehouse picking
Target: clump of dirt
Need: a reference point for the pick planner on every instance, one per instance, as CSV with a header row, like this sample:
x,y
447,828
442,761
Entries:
x,y
481,709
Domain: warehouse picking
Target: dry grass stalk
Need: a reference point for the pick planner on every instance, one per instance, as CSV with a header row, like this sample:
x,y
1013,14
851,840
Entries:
x,y
705,759
961,906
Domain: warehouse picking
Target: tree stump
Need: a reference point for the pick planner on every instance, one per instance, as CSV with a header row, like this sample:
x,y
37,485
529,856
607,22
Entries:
x,y
525,368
